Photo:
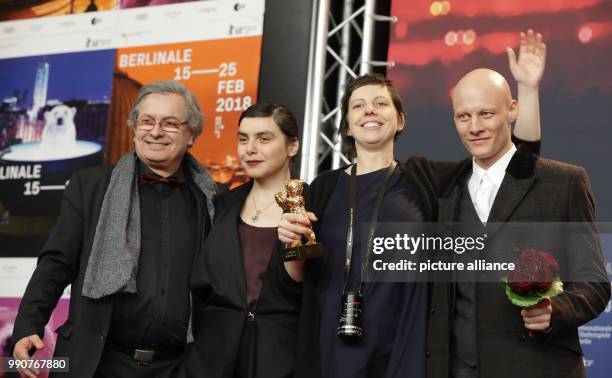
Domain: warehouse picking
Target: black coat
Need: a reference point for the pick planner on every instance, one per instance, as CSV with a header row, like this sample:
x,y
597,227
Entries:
x,y
218,282
533,190
428,179
423,176
63,261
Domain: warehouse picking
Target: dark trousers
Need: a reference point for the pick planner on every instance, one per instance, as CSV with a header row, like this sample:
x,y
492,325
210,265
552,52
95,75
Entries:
x,y
116,364
245,366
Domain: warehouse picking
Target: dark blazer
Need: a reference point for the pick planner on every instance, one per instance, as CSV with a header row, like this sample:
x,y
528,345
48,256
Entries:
x,y
427,178
533,190
63,261
423,176
218,282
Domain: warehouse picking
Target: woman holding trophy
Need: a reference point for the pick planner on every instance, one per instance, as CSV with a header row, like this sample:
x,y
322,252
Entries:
x,y
246,300
387,335
371,329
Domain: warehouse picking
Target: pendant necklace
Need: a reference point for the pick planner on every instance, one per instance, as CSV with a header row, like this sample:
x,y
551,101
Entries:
x,y
255,217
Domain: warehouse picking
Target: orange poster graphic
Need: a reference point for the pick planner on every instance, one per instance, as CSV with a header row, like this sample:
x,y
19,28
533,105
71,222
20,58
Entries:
x,y
223,74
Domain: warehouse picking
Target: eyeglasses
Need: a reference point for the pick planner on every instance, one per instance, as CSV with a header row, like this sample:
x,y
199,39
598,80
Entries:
x,y
168,125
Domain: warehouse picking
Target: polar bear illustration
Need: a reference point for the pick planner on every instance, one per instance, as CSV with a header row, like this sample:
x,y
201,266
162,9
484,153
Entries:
x,y
59,130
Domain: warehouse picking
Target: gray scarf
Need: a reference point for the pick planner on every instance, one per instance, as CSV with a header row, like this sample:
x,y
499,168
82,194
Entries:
x,y
113,262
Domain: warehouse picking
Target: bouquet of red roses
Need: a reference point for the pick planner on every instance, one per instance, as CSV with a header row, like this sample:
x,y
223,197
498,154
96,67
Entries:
x,y
535,276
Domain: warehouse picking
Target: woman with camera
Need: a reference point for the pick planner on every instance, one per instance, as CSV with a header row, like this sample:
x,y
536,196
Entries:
x,y
386,333
374,329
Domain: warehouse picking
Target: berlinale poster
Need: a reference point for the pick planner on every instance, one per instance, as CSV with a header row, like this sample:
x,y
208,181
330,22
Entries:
x,y
69,73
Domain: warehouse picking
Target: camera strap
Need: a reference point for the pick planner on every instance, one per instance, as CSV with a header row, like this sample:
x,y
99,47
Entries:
x,y
352,200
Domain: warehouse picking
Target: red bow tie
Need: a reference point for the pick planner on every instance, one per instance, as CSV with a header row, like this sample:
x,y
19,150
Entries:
x,y
151,178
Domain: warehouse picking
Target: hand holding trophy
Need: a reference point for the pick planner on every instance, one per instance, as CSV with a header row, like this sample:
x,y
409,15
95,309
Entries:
x,y
293,202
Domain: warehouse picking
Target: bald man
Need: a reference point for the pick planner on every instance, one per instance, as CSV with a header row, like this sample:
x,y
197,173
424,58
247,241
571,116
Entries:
x,y
487,335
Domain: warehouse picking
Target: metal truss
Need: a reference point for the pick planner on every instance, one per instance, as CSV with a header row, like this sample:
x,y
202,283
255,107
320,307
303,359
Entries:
x,y
335,32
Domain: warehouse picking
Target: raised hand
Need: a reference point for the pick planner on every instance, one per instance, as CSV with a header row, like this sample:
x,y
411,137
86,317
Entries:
x,y
529,67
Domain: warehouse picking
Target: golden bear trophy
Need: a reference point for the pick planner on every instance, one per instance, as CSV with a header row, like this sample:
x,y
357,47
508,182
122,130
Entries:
x,y
294,203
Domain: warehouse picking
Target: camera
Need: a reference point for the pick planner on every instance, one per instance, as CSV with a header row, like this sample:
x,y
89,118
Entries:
x,y
349,325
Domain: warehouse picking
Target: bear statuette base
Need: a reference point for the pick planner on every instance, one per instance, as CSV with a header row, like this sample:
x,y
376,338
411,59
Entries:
x,y
303,252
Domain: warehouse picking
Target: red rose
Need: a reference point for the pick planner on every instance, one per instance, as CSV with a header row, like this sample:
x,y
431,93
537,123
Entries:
x,y
520,282
534,272
543,279
528,256
549,261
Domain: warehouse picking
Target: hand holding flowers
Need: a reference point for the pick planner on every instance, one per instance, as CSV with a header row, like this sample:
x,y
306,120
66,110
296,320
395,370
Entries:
x,y
533,282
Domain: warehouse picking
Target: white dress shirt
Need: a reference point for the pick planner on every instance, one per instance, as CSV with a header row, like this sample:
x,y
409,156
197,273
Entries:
x,y
484,184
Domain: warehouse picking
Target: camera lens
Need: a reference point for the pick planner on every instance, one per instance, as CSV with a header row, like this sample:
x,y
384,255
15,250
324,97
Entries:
x,y
349,325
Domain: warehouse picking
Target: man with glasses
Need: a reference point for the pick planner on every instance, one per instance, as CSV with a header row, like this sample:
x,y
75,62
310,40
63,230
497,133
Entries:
x,y
125,240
